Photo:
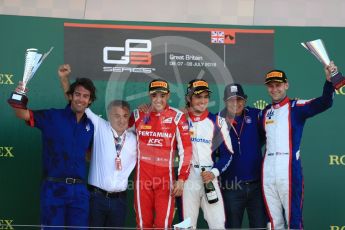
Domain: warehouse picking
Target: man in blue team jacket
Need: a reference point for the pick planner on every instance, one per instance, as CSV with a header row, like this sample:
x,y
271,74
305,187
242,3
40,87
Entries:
x,y
66,137
241,185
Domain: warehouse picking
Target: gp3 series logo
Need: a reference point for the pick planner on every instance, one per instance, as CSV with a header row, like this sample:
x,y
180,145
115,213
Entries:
x,y
136,52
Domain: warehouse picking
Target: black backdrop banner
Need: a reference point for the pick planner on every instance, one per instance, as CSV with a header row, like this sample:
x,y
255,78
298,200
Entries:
x,y
144,51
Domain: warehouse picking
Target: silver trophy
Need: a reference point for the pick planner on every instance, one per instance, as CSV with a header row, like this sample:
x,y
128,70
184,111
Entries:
x,y
317,48
33,60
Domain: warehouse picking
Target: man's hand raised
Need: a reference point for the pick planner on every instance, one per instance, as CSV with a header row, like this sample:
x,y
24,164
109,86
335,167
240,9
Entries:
x,y
64,71
329,69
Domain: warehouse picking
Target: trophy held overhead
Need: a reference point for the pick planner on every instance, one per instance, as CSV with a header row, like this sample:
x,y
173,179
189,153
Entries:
x,y
317,48
33,60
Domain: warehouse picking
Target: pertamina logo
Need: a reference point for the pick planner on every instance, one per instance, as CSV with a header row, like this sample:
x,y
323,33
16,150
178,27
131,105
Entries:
x,y
154,134
6,224
135,52
6,152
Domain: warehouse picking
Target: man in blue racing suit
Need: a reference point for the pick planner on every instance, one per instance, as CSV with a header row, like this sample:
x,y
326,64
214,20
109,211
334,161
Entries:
x,y
283,123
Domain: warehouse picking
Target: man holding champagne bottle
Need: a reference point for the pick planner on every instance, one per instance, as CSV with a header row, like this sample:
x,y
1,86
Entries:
x,y
201,188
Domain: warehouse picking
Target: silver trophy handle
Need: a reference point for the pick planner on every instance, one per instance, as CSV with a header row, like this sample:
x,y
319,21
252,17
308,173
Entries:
x,y
40,61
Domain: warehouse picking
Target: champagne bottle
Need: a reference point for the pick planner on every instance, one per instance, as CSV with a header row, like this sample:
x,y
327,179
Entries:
x,y
210,191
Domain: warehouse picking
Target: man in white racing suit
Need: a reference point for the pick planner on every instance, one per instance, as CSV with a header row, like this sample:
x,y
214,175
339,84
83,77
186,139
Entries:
x,y
208,132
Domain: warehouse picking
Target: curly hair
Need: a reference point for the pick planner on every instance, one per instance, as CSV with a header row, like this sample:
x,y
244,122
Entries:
x,y
87,84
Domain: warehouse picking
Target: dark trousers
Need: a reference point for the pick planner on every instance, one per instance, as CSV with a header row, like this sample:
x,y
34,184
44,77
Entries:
x,y
107,212
64,205
244,196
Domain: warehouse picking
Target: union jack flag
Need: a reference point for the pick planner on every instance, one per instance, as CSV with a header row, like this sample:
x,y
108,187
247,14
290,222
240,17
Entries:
x,y
217,36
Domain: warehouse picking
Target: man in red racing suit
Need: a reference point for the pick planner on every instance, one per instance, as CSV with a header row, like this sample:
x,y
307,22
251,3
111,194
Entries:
x,y
160,133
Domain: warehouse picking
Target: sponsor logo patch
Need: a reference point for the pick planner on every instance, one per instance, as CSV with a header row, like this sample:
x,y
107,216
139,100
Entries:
x,y
167,120
159,84
268,122
87,127
270,114
234,89
200,83
155,142
201,140
248,119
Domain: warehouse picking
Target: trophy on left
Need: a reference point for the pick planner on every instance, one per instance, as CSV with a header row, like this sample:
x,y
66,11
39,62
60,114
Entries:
x,y
33,60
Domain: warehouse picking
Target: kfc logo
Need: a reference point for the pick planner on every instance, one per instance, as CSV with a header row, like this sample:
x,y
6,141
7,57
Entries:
x,y
155,142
